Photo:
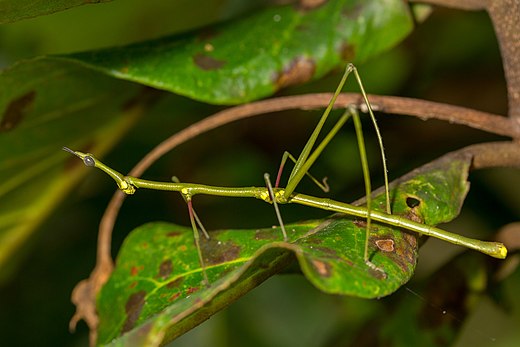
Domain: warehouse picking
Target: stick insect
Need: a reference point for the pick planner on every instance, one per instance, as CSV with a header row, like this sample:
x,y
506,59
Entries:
x,y
278,195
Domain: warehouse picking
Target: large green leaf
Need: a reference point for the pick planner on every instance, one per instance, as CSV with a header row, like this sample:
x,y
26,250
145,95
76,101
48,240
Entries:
x,y
14,10
254,57
46,106
73,100
156,291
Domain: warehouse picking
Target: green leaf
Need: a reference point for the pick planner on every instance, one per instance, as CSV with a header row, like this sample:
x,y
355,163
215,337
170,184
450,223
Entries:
x,y
72,100
156,291
254,57
47,105
15,10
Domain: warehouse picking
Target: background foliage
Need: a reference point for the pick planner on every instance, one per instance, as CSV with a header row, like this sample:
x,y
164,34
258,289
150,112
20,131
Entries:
x,y
444,60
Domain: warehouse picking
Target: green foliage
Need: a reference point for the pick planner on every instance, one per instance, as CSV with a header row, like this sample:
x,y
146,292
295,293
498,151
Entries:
x,y
47,104
14,10
254,57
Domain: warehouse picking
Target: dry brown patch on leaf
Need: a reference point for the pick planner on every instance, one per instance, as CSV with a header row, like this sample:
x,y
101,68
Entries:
x,y
133,308
16,111
205,62
322,268
299,71
165,269
385,245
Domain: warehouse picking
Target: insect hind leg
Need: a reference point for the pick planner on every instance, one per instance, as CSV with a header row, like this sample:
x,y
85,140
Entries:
x,y
275,205
323,185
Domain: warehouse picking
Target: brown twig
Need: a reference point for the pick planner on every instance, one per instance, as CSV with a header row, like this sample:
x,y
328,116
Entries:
x,y
505,15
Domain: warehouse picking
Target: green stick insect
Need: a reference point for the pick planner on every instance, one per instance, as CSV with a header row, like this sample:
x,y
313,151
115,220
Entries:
x,y
276,195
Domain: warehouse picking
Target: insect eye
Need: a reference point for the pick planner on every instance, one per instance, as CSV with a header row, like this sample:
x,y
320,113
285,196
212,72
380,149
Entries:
x,y
89,161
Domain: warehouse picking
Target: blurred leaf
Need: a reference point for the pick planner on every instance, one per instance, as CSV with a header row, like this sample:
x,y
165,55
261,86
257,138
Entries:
x,y
117,23
15,10
47,105
157,293
49,102
254,57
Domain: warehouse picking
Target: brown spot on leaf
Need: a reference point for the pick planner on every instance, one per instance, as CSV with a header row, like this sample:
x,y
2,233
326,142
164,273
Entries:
x,y
174,297
205,62
322,268
145,245
183,248
175,283
192,290
360,223
173,234
377,273
411,240
385,245
408,252
266,234
134,270
404,254
299,71
165,269
218,252
133,308
347,52
413,215
16,111
132,285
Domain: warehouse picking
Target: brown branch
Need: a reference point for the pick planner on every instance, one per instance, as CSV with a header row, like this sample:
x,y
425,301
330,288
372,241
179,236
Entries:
x,y
505,15
494,154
